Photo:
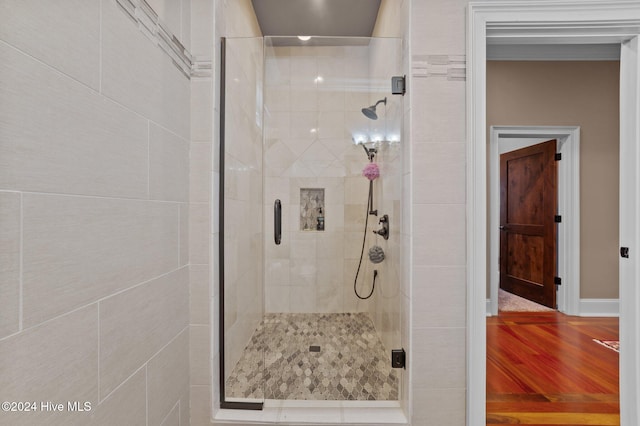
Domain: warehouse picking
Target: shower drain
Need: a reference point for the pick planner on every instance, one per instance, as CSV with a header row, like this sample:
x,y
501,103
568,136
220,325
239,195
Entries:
x,y
314,348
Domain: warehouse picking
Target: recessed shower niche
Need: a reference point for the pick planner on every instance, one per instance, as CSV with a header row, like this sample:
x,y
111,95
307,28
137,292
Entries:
x,y
293,126
312,210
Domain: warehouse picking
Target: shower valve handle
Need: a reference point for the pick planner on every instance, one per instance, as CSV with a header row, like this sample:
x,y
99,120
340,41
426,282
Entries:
x,y
384,231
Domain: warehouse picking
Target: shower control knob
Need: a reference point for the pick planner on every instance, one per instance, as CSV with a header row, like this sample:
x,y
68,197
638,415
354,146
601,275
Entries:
x,y
384,231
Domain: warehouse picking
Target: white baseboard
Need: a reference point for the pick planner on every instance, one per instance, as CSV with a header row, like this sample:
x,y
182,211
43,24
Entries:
x,y
599,308
588,308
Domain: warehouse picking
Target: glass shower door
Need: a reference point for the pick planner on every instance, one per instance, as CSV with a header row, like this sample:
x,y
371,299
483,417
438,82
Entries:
x,y
323,334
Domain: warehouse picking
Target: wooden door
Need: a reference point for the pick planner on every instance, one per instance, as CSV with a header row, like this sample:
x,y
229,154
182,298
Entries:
x,y
528,205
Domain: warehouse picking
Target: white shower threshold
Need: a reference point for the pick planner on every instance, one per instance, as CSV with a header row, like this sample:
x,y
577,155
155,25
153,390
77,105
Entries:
x,y
292,412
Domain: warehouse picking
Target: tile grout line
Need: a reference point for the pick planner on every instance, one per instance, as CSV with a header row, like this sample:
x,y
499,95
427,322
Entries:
x,y
177,404
50,67
99,339
181,31
169,342
107,396
100,197
180,241
100,43
94,302
21,268
148,159
146,392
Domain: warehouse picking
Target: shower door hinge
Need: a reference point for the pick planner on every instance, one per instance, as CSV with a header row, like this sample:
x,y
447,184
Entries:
x,y
557,280
398,85
558,156
398,358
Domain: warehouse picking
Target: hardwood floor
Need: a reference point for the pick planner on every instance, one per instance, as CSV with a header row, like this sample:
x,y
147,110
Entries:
x,y
545,369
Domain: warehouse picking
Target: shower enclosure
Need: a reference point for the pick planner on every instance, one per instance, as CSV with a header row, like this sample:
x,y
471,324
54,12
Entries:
x,y
293,208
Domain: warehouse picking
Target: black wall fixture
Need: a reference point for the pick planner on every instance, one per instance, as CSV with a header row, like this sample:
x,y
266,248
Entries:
x,y
398,358
399,85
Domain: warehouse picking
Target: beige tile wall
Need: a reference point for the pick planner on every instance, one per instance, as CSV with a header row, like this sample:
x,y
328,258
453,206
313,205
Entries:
x,y
126,61
64,37
126,405
10,217
78,250
438,239
137,323
168,380
56,361
94,189
74,143
311,115
203,223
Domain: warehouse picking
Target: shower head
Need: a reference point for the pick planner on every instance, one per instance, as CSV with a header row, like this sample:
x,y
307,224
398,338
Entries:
x,y
370,112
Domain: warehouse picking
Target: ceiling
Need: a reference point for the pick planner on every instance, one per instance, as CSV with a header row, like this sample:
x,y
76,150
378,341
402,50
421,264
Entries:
x,y
345,18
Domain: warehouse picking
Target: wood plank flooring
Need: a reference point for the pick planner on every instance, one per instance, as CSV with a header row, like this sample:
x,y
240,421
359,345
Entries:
x,y
545,369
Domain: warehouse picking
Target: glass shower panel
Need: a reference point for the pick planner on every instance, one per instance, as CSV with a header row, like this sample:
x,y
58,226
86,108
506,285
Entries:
x,y
386,135
315,129
241,228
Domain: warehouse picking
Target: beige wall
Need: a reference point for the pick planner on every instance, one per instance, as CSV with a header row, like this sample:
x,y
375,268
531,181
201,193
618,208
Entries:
x,y
584,94
94,296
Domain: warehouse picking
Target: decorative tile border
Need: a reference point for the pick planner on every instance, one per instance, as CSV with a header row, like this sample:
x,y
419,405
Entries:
x,y
201,67
449,67
150,25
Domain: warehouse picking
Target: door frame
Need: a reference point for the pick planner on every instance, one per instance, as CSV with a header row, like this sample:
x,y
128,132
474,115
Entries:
x,y
560,23
568,242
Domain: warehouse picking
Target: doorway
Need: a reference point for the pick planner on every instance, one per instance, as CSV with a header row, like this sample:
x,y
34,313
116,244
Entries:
x,y
585,93
506,138
554,23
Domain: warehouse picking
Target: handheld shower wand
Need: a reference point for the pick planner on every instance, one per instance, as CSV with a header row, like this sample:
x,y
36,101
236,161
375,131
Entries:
x,y
371,152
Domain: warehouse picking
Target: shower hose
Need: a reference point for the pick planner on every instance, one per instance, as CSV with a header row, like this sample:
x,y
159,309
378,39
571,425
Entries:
x,y
364,240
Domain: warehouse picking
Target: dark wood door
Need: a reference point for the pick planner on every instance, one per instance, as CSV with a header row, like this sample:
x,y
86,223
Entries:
x,y
528,205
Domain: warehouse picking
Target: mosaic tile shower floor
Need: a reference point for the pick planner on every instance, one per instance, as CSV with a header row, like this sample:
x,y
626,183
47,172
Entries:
x,y
281,362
